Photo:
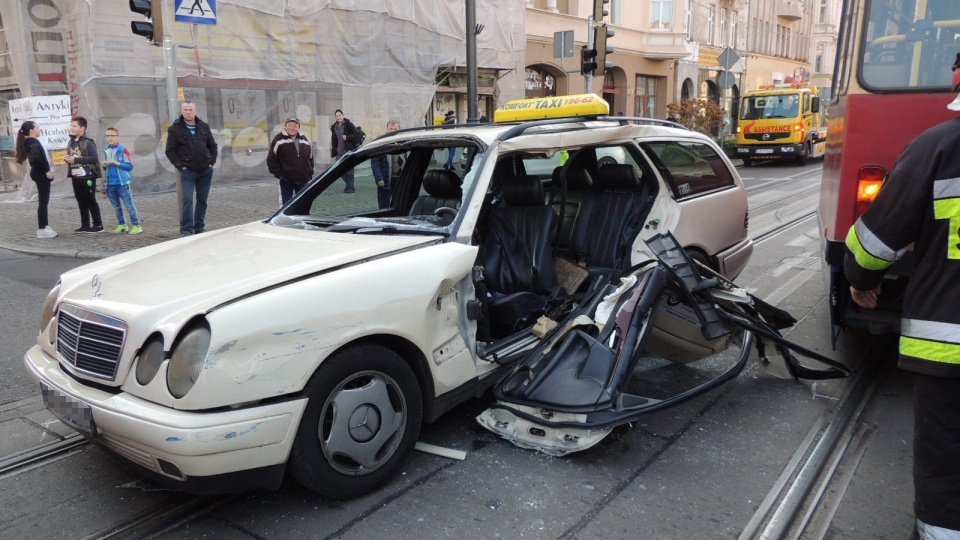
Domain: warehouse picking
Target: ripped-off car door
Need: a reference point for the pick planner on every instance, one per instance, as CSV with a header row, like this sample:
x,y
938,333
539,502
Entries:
x,y
660,335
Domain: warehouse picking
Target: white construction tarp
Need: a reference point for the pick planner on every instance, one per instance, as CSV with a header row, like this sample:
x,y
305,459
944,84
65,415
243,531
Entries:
x,y
263,61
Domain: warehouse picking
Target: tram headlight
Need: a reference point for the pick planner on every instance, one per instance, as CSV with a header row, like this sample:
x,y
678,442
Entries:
x,y
49,309
149,361
186,362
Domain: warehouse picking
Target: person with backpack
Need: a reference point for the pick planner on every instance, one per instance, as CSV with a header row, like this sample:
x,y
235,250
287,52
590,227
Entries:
x,y
83,169
116,159
344,137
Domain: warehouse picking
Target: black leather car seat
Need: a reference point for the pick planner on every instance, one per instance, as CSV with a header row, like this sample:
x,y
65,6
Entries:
x,y
443,189
517,254
609,219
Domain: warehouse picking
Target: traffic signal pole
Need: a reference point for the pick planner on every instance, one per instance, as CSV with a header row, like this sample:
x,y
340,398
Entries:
x,y
588,78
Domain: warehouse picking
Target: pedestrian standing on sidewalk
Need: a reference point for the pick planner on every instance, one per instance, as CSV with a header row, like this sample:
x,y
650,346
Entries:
x,y
386,170
919,204
117,163
344,137
29,148
192,150
83,170
290,159
450,119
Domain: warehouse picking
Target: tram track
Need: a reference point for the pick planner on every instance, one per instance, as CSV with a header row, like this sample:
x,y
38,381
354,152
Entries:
x,y
797,506
39,455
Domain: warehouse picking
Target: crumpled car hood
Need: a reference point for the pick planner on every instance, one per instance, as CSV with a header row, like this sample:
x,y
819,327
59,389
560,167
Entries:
x,y
210,268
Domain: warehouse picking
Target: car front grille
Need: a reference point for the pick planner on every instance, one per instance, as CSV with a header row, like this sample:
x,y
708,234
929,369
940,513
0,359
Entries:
x,y
90,342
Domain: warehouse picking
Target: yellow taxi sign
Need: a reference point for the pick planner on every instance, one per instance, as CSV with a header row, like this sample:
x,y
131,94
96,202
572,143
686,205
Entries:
x,y
552,107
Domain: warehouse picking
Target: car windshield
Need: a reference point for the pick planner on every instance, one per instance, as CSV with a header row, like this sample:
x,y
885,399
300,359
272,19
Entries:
x,y
779,106
410,188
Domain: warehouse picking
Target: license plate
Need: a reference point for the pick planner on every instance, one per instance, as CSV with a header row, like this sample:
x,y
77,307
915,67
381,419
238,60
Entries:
x,y
765,151
70,411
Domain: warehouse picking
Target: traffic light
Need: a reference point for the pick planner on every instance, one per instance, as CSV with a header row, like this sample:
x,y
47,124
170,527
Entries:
x,y
598,12
588,62
152,28
600,35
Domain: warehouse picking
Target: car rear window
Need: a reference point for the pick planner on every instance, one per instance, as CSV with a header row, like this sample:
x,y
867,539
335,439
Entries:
x,y
690,168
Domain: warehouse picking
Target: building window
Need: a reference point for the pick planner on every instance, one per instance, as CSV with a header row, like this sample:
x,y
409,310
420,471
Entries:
x,y
539,83
734,29
823,11
646,103
712,25
661,14
723,27
689,22
616,12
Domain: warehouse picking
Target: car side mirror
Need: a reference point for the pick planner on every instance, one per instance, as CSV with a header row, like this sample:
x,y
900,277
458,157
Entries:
x,y
815,104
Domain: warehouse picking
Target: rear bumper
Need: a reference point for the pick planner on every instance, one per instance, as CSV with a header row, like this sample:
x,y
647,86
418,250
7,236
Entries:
x,y
190,450
733,260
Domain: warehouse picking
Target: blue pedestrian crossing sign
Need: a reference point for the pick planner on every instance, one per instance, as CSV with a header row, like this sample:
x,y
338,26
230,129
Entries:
x,y
195,11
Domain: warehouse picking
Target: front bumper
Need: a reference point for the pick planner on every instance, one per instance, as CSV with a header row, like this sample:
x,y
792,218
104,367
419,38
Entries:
x,y
181,448
770,151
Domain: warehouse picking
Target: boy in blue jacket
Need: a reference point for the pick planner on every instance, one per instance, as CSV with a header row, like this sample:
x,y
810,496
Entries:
x,y
118,165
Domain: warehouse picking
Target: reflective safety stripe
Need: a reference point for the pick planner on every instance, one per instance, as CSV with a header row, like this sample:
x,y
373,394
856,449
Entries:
x,y
945,353
946,208
953,239
946,198
931,330
931,340
869,251
946,189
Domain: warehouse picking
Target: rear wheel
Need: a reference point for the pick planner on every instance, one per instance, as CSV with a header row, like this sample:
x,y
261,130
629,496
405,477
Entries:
x,y
363,416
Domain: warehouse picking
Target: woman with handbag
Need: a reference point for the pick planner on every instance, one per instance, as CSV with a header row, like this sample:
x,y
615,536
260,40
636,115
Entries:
x,y
29,148
84,169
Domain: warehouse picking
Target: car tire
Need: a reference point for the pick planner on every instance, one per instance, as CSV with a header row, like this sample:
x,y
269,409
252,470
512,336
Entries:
x,y
805,156
606,160
362,418
701,257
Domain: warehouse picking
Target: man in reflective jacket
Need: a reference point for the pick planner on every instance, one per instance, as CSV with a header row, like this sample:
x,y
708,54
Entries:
x,y
920,204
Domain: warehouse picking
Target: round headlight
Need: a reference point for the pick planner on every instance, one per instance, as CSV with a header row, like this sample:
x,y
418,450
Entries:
x,y
148,363
187,361
49,307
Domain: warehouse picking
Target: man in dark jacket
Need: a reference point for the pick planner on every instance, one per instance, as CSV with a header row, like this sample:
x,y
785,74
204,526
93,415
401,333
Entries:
x,y
290,159
193,151
344,137
918,204
386,169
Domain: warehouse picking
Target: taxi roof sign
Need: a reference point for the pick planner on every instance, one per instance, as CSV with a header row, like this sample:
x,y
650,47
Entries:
x,y
552,107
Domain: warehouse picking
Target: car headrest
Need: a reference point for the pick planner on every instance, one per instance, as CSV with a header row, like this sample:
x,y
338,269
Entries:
x,y
577,179
523,191
618,178
442,183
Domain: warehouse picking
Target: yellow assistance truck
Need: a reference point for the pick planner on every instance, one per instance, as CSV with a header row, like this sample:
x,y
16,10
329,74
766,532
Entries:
x,y
781,121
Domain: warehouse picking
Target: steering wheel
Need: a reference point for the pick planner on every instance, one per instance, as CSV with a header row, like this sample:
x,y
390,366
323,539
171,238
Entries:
x,y
445,210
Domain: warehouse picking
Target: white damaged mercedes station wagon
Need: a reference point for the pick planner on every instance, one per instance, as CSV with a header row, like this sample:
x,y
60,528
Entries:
x,y
315,343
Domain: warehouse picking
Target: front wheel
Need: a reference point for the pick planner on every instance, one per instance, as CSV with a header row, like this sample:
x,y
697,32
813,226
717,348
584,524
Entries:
x,y
363,416
805,156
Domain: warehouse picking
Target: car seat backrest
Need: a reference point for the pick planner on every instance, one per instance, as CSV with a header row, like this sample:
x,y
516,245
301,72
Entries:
x,y
443,189
610,217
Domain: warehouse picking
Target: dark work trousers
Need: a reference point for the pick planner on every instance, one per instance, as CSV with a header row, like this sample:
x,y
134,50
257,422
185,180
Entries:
x,y
936,451
43,197
288,189
87,201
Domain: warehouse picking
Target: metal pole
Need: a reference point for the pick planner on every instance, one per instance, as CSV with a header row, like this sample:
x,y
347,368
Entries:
x,y
472,117
588,79
173,107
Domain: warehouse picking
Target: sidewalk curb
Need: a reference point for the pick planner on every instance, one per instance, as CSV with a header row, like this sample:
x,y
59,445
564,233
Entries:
x,y
40,252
